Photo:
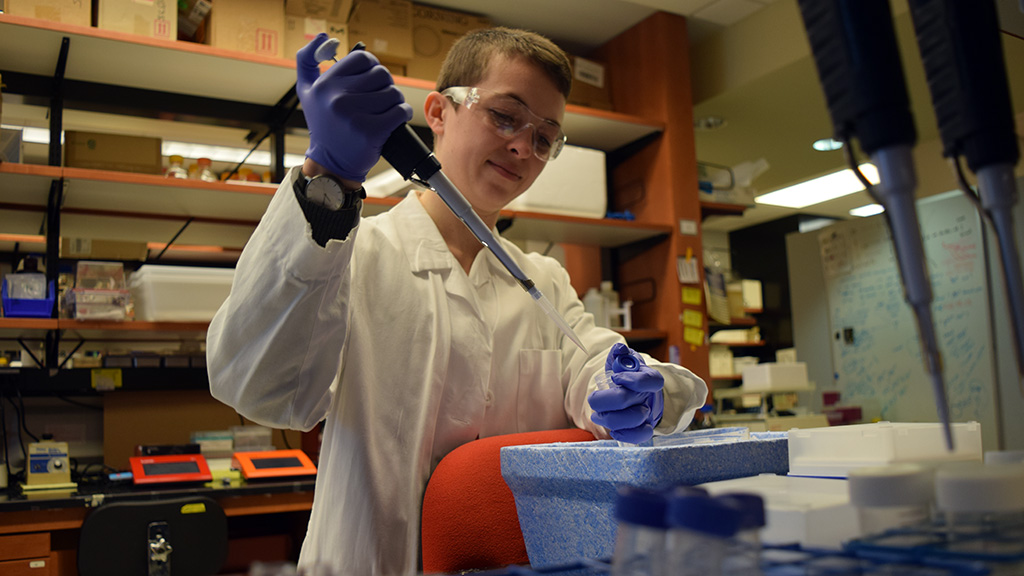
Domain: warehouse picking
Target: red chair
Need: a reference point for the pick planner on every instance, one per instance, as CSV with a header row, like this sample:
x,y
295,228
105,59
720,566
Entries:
x,y
469,519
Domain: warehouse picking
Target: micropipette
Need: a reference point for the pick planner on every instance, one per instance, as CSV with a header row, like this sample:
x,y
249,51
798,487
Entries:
x,y
409,155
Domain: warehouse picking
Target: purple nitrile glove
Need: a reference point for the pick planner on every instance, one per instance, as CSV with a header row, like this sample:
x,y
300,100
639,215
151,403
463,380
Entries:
x,y
350,109
633,407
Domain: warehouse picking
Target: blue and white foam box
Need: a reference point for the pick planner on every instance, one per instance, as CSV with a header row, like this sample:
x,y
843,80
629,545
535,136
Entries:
x,y
565,492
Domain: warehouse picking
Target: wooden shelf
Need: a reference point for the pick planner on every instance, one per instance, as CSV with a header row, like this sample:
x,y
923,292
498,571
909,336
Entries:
x,y
149,208
31,46
106,330
739,344
721,209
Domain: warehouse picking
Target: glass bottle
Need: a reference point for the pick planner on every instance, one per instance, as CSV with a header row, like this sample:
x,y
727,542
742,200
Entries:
x,y
205,171
176,169
640,535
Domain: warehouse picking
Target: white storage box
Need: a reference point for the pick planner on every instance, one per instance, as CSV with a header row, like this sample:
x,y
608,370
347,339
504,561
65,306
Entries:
x,y
812,512
179,293
573,184
833,451
775,376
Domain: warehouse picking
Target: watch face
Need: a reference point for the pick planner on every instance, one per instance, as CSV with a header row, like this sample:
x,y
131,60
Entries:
x,y
325,191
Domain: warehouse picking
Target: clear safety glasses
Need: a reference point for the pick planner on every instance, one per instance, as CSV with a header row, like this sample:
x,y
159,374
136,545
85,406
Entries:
x,y
509,117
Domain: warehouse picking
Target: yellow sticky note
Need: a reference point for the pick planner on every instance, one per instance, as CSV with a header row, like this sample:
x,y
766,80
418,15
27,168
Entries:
x,y
106,378
692,295
693,318
694,336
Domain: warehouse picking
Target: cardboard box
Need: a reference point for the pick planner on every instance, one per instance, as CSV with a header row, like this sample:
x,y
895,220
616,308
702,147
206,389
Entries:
x,y
192,20
112,152
336,10
154,18
10,145
78,13
385,26
299,30
99,249
253,26
589,84
774,376
434,30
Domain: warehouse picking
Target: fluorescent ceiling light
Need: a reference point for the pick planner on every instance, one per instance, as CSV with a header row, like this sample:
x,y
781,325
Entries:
x,y
820,189
867,210
827,145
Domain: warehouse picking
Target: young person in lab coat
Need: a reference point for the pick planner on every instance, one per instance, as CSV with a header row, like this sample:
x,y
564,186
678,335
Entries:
x,y
401,330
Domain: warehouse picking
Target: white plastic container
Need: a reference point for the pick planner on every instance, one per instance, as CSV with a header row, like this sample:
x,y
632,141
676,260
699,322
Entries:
x,y
573,184
835,450
894,496
812,512
179,293
774,376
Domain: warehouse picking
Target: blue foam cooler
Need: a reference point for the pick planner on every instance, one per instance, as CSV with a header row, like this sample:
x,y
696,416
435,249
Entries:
x,y
565,492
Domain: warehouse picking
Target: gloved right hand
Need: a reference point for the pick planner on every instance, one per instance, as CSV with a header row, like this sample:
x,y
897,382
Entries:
x,y
350,109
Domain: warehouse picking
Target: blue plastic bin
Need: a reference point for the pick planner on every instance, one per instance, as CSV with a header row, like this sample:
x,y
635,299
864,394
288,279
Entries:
x,y
22,308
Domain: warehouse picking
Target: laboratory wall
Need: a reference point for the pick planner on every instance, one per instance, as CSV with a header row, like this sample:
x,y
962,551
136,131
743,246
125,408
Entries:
x,y
857,335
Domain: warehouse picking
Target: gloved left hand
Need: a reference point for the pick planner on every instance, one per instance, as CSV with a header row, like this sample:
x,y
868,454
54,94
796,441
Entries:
x,y
633,407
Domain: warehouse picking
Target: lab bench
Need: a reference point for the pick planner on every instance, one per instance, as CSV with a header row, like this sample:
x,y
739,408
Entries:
x,y
39,531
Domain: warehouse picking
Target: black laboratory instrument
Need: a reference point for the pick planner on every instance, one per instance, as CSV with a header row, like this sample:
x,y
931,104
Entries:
x,y
858,62
963,60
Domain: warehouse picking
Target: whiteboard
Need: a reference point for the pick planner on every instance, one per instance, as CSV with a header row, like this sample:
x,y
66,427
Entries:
x,y
876,352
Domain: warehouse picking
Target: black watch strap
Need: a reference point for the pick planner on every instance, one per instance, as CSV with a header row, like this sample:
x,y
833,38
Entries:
x,y
328,224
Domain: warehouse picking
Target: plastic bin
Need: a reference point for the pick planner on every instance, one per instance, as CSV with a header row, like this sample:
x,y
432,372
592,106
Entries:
x,y
831,452
23,308
565,492
179,293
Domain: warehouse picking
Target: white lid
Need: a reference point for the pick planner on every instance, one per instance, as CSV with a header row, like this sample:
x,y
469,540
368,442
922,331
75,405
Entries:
x,y
978,488
895,485
606,285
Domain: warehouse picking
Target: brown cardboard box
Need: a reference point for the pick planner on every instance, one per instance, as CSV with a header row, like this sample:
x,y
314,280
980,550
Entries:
x,y
336,10
112,152
589,84
385,26
155,18
254,26
299,30
434,30
192,20
78,12
99,249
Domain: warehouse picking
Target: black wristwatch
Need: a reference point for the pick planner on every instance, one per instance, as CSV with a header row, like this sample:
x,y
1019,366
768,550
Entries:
x,y
328,191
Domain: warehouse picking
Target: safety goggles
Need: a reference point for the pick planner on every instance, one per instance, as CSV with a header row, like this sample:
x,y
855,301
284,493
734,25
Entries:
x,y
509,117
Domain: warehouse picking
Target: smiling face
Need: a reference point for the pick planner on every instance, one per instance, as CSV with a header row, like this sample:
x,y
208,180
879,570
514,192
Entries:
x,y
489,170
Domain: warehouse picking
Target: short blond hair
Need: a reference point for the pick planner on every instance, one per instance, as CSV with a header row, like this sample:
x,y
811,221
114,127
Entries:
x,y
468,59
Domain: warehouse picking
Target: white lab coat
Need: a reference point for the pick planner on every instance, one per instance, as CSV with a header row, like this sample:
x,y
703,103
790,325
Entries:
x,y
406,357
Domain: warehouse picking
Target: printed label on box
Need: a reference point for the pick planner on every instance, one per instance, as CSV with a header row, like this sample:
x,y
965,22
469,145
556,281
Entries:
x,y
589,72
266,41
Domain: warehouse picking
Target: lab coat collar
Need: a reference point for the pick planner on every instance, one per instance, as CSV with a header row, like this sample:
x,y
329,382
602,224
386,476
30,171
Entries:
x,y
421,240
425,247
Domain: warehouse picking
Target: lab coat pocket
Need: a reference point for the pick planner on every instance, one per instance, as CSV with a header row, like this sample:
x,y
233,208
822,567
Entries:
x,y
541,396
